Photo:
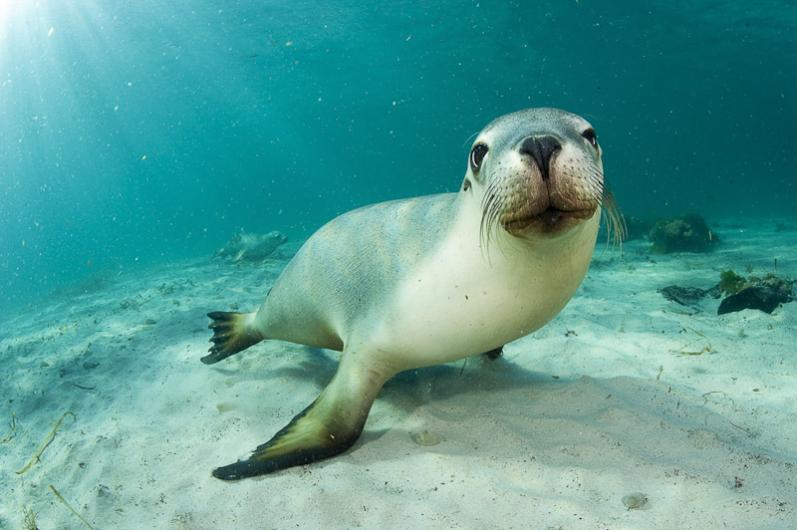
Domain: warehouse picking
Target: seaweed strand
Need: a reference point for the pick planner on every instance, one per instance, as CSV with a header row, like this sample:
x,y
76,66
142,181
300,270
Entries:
x,y
13,432
69,506
36,458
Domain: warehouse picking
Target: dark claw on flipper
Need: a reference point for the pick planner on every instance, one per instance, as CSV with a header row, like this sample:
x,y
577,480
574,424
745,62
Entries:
x,y
253,467
303,441
230,335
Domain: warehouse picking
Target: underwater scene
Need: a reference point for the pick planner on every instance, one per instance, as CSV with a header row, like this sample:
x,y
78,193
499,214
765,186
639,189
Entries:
x,y
451,264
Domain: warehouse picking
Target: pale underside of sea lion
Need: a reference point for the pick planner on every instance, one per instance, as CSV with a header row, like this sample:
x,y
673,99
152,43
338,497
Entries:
x,y
422,281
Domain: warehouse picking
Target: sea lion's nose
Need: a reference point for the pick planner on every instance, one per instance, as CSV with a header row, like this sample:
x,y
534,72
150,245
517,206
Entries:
x,y
541,148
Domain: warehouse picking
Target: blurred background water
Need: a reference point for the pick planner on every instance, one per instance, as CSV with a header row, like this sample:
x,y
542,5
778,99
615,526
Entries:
x,y
134,133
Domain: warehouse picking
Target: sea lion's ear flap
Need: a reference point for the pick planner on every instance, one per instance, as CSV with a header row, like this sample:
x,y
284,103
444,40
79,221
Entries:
x,y
330,426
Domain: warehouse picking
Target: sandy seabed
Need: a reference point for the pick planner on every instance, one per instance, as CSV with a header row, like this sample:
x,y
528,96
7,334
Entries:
x,y
608,400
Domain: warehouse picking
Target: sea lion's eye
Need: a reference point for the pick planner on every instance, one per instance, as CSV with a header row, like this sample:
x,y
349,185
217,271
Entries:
x,y
589,134
477,155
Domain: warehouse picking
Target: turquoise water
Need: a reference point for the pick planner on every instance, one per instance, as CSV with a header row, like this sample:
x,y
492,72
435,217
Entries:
x,y
134,133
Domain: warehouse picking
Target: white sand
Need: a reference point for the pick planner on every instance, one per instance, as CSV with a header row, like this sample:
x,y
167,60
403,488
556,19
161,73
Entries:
x,y
595,406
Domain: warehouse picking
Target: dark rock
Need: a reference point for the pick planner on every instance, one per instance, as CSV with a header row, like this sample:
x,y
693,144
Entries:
x,y
765,299
756,292
687,233
764,294
683,295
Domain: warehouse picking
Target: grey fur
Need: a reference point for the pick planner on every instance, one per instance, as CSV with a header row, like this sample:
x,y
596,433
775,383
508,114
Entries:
x,y
374,247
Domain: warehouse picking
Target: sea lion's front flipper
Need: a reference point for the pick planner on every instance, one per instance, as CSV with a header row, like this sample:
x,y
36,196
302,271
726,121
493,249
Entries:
x,y
326,428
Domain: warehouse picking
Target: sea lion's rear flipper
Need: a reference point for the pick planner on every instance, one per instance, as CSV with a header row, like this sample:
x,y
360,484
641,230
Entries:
x,y
326,428
495,354
232,332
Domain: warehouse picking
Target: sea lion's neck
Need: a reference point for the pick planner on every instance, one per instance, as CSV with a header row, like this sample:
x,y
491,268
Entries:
x,y
462,299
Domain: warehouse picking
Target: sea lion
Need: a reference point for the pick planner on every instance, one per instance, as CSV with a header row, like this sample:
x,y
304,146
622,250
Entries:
x,y
422,281
251,247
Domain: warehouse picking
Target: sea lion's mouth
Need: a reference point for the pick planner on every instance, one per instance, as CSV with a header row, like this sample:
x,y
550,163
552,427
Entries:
x,y
549,220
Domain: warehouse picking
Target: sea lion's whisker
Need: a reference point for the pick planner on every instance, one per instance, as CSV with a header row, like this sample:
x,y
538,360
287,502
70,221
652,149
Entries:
x,y
492,206
616,229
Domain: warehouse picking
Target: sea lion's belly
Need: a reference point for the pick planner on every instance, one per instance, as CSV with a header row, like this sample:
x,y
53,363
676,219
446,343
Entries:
x,y
452,320
461,303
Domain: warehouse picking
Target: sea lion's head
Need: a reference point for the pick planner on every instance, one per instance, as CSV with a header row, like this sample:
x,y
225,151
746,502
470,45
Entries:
x,y
538,172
